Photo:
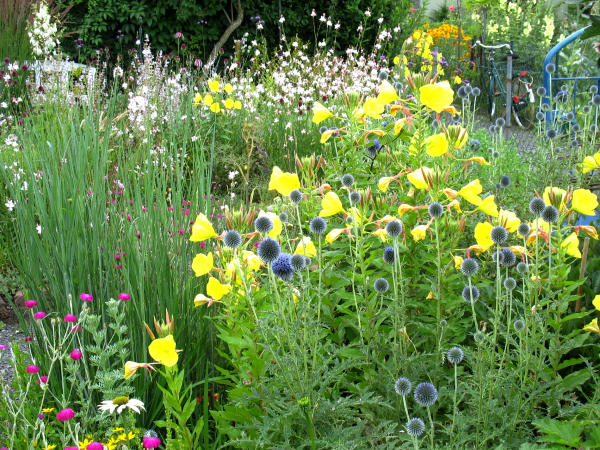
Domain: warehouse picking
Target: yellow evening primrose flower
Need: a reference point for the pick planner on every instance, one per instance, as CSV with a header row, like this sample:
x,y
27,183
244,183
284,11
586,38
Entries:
x,y
592,326
482,235
509,220
333,235
118,430
330,205
479,159
130,368
436,145
228,88
275,220
320,113
399,125
559,195
518,250
228,103
456,205
216,290
584,202
488,206
450,193
596,302
590,163
47,410
201,299
237,104
373,108
381,234
571,242
202,264
214,85
306,247
387,93
197,99
589,229
384,183
202,229
355,214
471,192
436,96
458,262
283,182
251,259
163,350
419,177
404,208
215,107
419,232
208,100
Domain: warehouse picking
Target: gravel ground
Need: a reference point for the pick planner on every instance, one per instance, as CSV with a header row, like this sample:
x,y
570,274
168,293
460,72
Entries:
x,y
9,334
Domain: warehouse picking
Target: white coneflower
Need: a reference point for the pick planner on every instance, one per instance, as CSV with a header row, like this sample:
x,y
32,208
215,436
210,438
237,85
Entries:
x,y
120,403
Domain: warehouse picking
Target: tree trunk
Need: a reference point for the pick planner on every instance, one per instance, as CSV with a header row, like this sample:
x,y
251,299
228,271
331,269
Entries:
x,y
225,36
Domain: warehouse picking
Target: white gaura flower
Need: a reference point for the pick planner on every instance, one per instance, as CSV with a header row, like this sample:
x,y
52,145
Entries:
x,y
120,403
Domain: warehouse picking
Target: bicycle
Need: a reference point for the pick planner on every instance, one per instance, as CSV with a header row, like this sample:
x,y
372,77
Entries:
x,y
523,99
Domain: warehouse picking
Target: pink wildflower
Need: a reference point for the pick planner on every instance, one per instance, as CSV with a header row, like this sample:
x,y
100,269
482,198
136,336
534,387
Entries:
x,y
43,379
151,442
124,296
31,303
40,315
32,369
75,354
95,446
86,297
70,318
3,347
74,329
65,414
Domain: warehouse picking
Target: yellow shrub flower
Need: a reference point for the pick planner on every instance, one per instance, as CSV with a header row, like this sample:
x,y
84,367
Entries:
x,y
277,224
419,178
436,145
555,196
373,108
596,302
458,262
471,192
590,163
419,232
228,88
320,113
208,100
330,205
202,229
201,299
237,104
251,259
333,235
216,108
381,234
216,290
202,264
228,103
584,202
384,183
482,235
509,220
306,247
197,99
404,208
214,85
163,350
592,326
283,182
436,96
571,243
399,125
488,206
387,93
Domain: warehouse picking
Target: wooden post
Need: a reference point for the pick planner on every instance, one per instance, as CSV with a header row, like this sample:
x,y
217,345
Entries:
x,y
508,88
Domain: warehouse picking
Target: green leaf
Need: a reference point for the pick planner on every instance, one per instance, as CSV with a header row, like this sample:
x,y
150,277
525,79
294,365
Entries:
x,y
574,380
557,432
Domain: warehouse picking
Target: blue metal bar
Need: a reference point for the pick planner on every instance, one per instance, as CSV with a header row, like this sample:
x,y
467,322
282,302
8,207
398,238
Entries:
x,y
553,54
576,78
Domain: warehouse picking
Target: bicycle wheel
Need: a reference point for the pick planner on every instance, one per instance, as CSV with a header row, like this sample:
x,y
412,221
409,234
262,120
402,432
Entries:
x,y
523,105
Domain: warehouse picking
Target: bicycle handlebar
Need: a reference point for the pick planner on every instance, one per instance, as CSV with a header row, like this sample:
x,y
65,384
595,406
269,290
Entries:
x,y
493,47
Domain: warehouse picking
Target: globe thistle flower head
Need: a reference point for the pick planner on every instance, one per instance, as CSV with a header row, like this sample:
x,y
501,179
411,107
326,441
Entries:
x,y
323,129
425,394
394,228
593,89
462,92
500,122
596,100
307,261
593,128
373,149
551,133
381,285
443,323
383,75
355,197
268,250
474,144
232,239
295,196
561,96
398,86
468,89
510,283
317,225
522,268
283,216
476,91
523,229
389,255
455,355
347,180
469,267
349,220
539,116
297,262
536,206
505,181
545,107
435,210
518,325
550,68
282,267
495,154
570,116
587,109
263,224
498,234
498,256
470,293
541,91
415,427
403,386
550,214
508,257
479,337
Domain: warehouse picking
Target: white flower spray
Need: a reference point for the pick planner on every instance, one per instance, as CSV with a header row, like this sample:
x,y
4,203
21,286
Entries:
x,y
42,32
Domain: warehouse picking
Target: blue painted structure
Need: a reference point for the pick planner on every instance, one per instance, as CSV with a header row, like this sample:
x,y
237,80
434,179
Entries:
x,y
552,56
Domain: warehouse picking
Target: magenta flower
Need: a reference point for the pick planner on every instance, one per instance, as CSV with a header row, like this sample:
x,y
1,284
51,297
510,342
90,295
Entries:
x,y
65,414
95,446
3,347
151,442
43,379
123,296
71,448
41,416
86,297
75,354
32,369
70,318
40,315
28,338
74,329
31,303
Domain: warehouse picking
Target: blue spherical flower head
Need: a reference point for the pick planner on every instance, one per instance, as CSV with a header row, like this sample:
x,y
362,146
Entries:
x,y
522,268
587,109
355,197
268,250
519,325
570,116
317,225
499,234
500,122
394,228
505,181
403,386
323,129
470,293
561,97
508,257
435,210
415,427
536,206
596,100
475,144
476,91
551,68
295,196
373,149
469,267
523,229
541,91
383,75
455,355
232,239
539,116
551,133
298,262
550,214
381,285
263,224
347,180
282,267
593,89
388,255
510,283
425,394
462,92
283,216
